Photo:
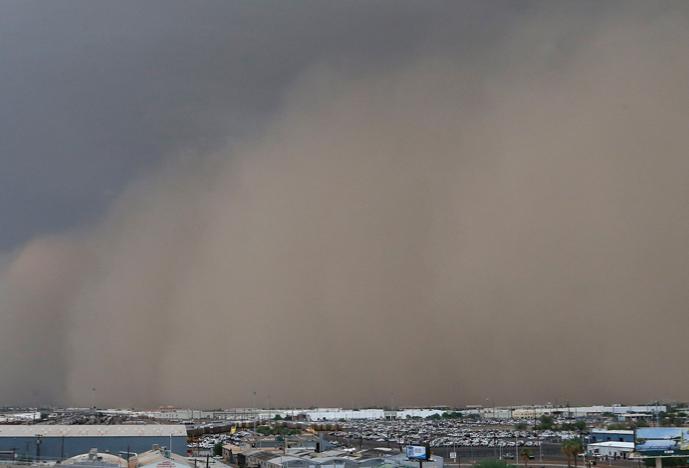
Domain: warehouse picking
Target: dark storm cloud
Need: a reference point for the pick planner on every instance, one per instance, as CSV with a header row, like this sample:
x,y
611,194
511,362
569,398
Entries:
x,y
331,196
92,94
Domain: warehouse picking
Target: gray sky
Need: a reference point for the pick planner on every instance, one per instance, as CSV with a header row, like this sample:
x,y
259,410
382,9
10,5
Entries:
x,y
313,199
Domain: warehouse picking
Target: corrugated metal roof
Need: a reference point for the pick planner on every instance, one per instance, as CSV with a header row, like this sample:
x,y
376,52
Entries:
x,y
611,431
284,459
95,430
102,459
612,443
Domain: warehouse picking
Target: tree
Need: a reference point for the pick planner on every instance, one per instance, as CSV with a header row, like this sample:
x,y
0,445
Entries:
x,y
520,426
617,426
264,430
545,423
670,418
492,463
572,448
217,449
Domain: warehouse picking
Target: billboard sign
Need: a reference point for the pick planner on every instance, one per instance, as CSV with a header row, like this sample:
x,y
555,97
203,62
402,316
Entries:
x,y
662,441
416,452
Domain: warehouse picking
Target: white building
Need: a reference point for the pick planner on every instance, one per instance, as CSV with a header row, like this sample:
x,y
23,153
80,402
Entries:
x,y
335,414
533,412
611,449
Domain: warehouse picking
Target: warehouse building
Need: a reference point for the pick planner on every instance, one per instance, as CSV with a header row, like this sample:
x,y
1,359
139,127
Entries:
x,y
607,435
59,442
610,450
368,458
346,461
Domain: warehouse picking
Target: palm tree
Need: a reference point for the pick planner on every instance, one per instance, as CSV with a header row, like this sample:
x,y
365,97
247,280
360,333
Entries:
x,y
525,454
577,448
572,448
568,452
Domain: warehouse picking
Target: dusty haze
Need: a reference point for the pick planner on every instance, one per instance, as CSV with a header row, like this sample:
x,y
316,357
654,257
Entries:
x,y
510,222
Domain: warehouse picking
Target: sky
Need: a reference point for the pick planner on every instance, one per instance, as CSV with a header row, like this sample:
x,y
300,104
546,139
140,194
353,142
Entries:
x,y
343,202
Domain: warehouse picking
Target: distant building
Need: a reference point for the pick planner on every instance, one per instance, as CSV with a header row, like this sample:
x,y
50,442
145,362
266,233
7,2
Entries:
x,y
533,412
336,414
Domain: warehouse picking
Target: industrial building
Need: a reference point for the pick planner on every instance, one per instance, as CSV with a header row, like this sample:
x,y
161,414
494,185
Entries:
x,y
533,412
59,442
373,458
612,449
606,443
606,435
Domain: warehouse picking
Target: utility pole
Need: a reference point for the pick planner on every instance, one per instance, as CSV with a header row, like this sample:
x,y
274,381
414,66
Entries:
x,y
255,413
540,451
516,449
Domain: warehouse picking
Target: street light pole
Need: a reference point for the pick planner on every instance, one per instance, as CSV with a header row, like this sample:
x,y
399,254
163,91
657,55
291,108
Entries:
x,y
255,413
540,450
516,449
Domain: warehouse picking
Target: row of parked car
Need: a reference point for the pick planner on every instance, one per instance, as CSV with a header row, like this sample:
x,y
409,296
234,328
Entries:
x,y
446,433
207,442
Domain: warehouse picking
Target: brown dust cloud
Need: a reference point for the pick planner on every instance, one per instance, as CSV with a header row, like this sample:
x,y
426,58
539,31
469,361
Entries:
x,y
511,224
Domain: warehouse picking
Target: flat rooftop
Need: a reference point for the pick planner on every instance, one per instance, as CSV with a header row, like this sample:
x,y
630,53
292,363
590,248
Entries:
x,y
612,431
612,443
94,430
